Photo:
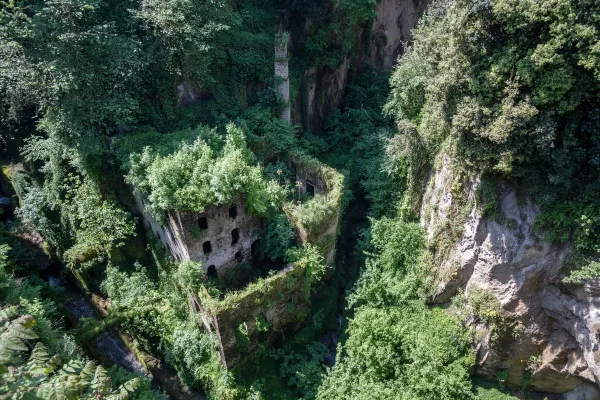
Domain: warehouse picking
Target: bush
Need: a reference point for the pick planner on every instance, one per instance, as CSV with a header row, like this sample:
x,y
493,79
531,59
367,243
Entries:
x,y
484,304
278,237
201,174
402,352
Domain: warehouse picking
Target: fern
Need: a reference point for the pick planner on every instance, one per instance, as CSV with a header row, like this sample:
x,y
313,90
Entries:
x,y
42,376
13,334
8,313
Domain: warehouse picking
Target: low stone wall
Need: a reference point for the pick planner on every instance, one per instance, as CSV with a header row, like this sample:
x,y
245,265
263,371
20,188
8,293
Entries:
x,y
280,303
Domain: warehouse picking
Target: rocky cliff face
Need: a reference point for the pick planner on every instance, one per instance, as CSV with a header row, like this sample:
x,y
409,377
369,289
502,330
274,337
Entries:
x,y
549,332
391,29
390,32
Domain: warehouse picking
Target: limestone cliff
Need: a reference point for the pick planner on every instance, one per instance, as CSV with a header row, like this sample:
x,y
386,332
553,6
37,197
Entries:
x,y
548,337
391,30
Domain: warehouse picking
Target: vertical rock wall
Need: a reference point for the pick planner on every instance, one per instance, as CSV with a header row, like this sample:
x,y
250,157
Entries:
x,y
391,29
550,329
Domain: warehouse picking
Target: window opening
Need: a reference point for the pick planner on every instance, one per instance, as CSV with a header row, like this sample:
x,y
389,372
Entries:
x,y
211,272
207,247
310,188
233,211
238,256
235,236
203,223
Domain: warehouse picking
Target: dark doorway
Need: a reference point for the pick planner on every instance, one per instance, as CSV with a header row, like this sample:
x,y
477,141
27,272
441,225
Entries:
x,y
235,236
206,247
211,272
202,223
238,257
233,211
310,188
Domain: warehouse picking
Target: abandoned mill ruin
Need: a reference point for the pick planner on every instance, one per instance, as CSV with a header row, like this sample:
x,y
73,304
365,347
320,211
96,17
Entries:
x,y
224,239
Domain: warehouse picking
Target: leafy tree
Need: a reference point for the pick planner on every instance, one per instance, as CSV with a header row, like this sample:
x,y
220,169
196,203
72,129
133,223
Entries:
x,y
99,225
303,371
199,175
512,88
69,60
190,33
278,237
403,352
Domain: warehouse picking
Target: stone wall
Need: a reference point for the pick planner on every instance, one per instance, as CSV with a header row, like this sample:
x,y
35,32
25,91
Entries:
x,y
166,236
327,183
185,238
507,257
220,225
280,300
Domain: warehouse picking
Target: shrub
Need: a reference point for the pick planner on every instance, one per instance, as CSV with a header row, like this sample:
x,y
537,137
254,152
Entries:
x,y
202,174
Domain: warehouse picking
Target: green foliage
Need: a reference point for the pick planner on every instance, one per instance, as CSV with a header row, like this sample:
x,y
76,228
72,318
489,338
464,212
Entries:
x,y
484,390
42,377
150,313
278,237
190,32
269,137
484,304
355,138
99,224
513,90
262,325
310,259
394,271
194,354
316,212
190,276
242,342
488,194
199,175
403,352
123,146
587,272
302,371
332,39
50,368
71,61
157,313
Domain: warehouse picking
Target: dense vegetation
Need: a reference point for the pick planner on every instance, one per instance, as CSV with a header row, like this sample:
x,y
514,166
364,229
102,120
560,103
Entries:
x,y
38,358
177,97
510,88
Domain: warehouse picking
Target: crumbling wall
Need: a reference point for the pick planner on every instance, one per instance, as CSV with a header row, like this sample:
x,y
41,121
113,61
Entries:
x,y
328,187
281,301
224,253
171,241
185,239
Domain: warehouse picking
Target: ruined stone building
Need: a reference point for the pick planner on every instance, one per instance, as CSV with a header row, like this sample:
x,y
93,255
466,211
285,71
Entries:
x,y
222,236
